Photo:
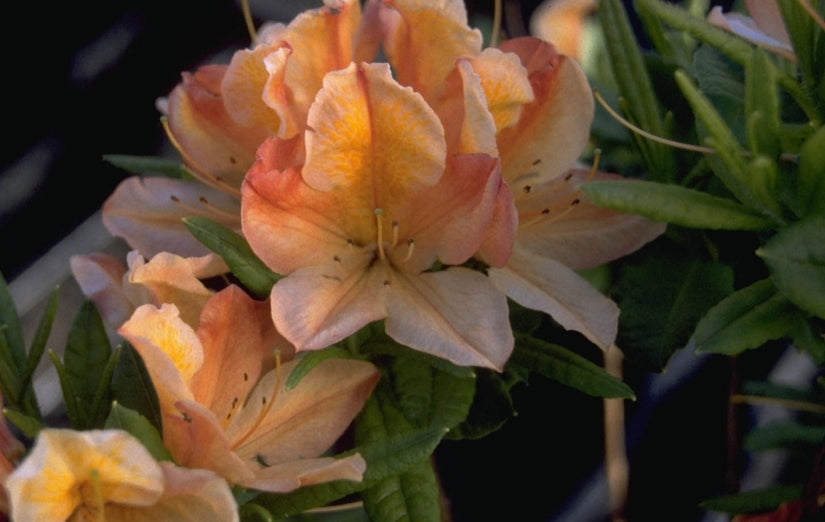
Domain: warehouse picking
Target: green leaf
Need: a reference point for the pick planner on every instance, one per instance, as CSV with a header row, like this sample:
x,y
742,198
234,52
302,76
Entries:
x,y
72,407
147,164
569,368
722,81
634,83
85,359
810,188
661,299
783,435
674,204
132,387
123,418
310,360
41,335
28,425
386,457
796,259
14,349
492,406
746,319
728,163
767,499
98,411
235,251
411,496
429,397
762,105
809,336
808,43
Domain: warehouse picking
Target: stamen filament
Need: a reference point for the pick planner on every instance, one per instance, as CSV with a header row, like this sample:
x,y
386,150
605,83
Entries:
x,y
98,493
410,248
247,18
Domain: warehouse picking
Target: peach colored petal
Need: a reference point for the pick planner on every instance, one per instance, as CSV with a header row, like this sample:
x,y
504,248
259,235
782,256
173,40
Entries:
x,y
210,140
562,23
456,314
288,476
55,479
553,129
767,30
315,307
100,277
192,495
169,348
196,439
373,137
305,421
468,124
237,335
506,85
498,244
541,283
580,235
172,279
423,40
147,213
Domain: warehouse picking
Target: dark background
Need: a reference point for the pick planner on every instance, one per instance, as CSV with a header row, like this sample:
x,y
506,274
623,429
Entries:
x,y
81,82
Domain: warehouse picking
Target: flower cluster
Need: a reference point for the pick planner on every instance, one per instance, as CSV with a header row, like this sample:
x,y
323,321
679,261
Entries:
x,y
383,169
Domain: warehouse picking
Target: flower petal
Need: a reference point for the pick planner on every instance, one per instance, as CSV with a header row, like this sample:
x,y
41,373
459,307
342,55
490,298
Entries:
x,y
544,284
237,335
100,277
209,139
147,213
305,421
506,85
169,348
423,40
580,235
456,314
289,476
554,129
55,478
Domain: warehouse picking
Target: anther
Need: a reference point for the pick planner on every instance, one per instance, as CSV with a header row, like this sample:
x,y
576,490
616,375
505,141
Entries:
x,y
394,232
410,248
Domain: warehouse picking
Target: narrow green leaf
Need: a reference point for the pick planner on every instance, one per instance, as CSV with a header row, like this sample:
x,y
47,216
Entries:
x,y
132,387
662,297
97,412
85,358
733,46
123,418
634,83
9,378
14,350
809,336
28,425
235,251
569,368
147,165
723,82
808,43
746,319
762,105
311,359
767,499
386,457
69,396
674,204
796,259
783,435
731,167
810,190
41,335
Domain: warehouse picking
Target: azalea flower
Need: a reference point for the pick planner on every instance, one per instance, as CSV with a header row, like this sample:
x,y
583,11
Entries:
x,y
559,230
166,278
763,27
11,451
109,475
563,23
219,115
359,227
224,402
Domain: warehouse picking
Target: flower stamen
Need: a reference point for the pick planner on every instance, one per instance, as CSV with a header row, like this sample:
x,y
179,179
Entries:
x,y
379,222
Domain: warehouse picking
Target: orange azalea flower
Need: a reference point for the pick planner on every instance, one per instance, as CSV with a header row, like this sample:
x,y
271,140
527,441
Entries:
x,y
559,230
358,228
109,475
219,115
224,402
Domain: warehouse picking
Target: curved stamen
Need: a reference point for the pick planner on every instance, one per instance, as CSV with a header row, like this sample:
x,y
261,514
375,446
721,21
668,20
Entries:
x,y
379,222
